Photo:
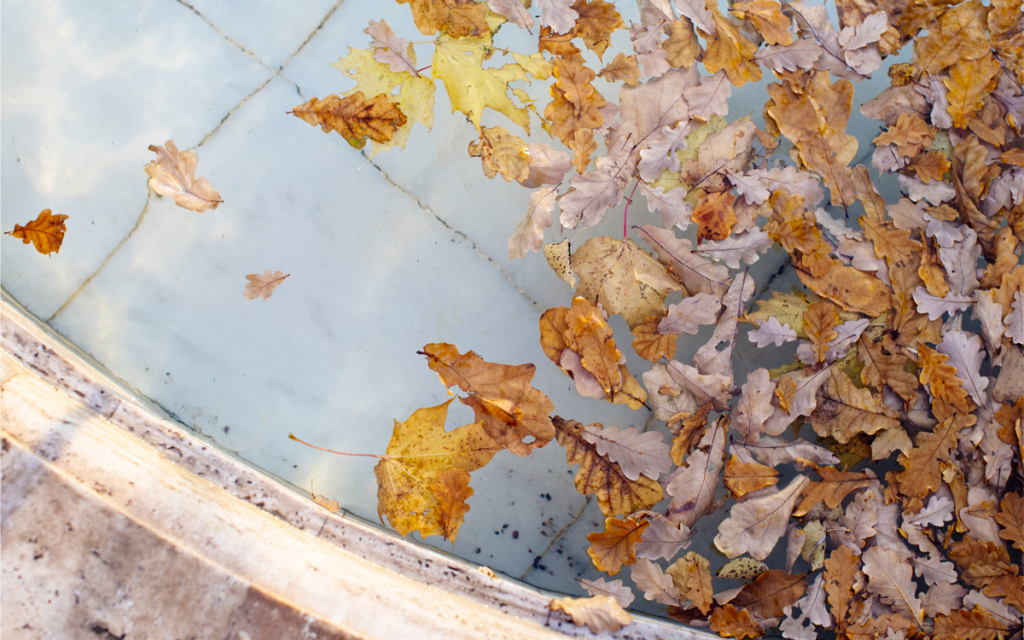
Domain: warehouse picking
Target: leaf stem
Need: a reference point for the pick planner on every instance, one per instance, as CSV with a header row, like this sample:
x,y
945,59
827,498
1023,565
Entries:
x,y
340,453
625,213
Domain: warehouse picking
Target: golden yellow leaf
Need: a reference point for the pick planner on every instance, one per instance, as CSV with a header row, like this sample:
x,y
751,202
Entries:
x,y
843,580
742,478
681,44
623,277
730,622
622,68
930,166
419,451
501,152
688,430
500,395
595,24
615,546
616,494
854,290
588,334
958,35
835,485
820,322
968,82
173,174
46,232
941,378
1011,519
715,216
692,576
582,145
767,18
729,50
452,490
576,100
354,117
457,18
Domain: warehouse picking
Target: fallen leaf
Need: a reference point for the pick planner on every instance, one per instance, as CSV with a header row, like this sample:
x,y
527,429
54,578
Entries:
x,y
354,117
174,174
615,589
843,581
770,593
728,50
743,478
529,234
457,18
616,545
892,580
600,613
452,490
502,153
262,286
715,217
576,101
833,488
636,453
46,232
622,68
968,624
393,51
756,525
730,622
458,63
514,11
1011,519
843,410
742,569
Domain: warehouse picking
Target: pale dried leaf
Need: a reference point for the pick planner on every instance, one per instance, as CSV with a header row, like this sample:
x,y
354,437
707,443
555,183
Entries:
x,y
614,589
515,12
557,14
687,315
756,525
173,174
964,351
1014,320
739,247
892,580
600,613
771,332
935,306
664,538
262,286
529,234
657,586
671,205
636,453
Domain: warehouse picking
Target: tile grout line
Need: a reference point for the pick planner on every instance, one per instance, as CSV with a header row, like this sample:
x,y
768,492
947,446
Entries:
x,y
149,194
424,206
110,256
557,538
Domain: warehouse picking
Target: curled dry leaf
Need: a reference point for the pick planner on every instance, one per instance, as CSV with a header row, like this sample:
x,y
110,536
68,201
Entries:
x,y
46,232
262,286
600,613
173,174
730,622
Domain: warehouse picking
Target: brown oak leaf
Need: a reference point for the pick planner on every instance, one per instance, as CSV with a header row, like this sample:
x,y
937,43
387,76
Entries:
x,y
730,622
457,18
46,232
715,216
616,545
576,101
452,490
742,478
771,592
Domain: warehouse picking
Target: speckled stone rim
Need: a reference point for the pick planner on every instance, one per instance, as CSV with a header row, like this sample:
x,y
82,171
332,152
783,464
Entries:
x,y
38,349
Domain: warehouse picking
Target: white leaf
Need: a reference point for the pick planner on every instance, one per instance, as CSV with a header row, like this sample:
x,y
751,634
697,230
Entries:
x,y
697,12
614,589
891,579
262,286
837,228
636,453
1015,320
663,538
771,332
672,206
906,214
756,525
707,388
600,613
774,451
755,405
812,609
863,61
667,396
693,487
710,97
389,48
696,273
529,234
964,351
687,315
515,12
593,193
935,91
657,586
547,165
737,247
870,30
989,314
804,399
945,233
848,332
647,45
712,358
960,262
936,192
792,182
935,306
859,519
749,186
801,54
557,14
660,153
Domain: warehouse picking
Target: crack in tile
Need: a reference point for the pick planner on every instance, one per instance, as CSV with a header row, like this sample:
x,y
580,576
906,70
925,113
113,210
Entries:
x,y
426,207
312,33
138,223
558,537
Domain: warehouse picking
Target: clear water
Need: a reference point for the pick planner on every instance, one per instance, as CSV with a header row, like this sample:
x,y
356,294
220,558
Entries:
x,y
386,255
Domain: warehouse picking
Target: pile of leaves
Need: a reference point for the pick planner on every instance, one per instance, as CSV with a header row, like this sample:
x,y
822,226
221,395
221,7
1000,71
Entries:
x,y
909,328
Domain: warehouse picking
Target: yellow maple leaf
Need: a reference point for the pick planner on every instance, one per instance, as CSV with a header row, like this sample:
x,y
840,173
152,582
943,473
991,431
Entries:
x,y
46,232
458,63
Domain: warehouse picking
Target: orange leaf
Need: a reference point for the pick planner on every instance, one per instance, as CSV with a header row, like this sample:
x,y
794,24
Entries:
x,y
730,622
820,323
843,581
881,369
622,68
1011,519
715,216
457,18
771,592
922,465
742,478
598,19
977,624
616,546
767,18
46,232
930,166
354,117
854,290
650,344
968,82
910,135
833,488
958,35
941,378
729,50
452,490
576,101
501,152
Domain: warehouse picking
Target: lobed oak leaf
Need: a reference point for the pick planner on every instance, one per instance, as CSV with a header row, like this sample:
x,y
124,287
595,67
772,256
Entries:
x,y
800,391
772,591
693,487
173,174
769,331
616,545
46,232
929,166
922,472
767,18
671,205
958,35
600,613
715,216
625,278
812,610
500,395
688,430
832,490
687,315
582,146
457,18
657,586
262,286
941,378
889,625
501,152
968,625
651,105
513,11
852,289
452,490
695,273
596,22
558,15
388,48
650,344
742,478
616,494
668,397
754,407
354,117
698,581
820,321
660,154
756,525
728,50
935,307
615,589
419,451
744,246
968,82
730,622
593,193
801,54
1011,519
773,452
681,45
843,581
892,580
635,453
664,538
843,410
529,234
458,63
710,97
415,93
647,44
623,68
966,356
1014,319
723,153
